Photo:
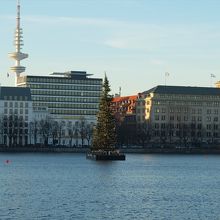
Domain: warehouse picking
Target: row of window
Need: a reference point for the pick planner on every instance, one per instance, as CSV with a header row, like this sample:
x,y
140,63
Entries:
x,y
184,103
15,125
65,87
185,110
185,126
184,118
15,111
19,98
15,132
15,118
72,106
185,134
72,112
64,93
60,80
195,97
65,99
16,104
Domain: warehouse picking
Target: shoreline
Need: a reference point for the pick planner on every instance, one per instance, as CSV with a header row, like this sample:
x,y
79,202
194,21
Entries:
x,y
124,150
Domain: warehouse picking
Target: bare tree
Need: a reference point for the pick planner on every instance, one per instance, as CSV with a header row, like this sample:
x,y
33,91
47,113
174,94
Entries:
x,y
54,132
76,132
61,125
82,129
70,130
45,126
1,129
88,132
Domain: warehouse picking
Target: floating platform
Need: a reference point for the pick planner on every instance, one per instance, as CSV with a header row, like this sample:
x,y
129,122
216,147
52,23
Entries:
x,y
105,155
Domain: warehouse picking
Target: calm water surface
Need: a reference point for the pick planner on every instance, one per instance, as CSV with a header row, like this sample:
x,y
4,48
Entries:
x,y
67,186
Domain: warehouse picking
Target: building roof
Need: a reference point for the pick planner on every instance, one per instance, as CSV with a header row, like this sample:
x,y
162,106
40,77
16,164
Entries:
x,y
73,74
15,92
184,90
123,98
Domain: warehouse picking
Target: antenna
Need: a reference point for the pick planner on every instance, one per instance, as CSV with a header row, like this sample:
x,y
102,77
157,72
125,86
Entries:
x,y
18,42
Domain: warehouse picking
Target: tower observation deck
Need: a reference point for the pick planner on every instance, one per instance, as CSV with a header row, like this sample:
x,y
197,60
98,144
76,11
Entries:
x,y
18,42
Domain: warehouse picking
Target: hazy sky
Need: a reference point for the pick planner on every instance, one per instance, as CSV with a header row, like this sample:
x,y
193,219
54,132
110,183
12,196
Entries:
x,y
134,41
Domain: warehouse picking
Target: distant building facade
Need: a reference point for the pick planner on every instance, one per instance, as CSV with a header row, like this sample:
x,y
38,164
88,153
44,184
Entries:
x,y
15,115
180,114
71,99
68,96
124,108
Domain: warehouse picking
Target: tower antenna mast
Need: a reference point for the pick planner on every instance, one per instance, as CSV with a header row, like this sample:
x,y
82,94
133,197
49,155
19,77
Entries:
x,y
18,42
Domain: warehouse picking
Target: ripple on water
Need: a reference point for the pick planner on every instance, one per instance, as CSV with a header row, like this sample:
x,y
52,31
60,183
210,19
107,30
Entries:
x,y
67,186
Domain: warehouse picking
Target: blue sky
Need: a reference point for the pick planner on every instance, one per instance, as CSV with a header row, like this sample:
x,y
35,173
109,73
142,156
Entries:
x,y
134,41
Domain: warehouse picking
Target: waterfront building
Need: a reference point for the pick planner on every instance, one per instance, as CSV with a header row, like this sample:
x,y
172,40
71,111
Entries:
x,y
68,96
124,108
180,114
15,115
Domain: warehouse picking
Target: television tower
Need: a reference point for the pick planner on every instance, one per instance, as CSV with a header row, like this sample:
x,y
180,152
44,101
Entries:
x,y
18,42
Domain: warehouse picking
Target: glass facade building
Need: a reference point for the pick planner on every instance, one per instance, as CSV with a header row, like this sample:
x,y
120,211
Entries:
x,y
68,96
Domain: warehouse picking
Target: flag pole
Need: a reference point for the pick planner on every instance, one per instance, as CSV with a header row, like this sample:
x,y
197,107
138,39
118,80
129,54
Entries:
x,y
211,76
166,75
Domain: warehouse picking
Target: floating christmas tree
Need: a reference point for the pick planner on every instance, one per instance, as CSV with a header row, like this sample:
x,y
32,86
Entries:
x,y
104,136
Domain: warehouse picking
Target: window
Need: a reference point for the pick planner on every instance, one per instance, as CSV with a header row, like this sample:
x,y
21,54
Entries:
x,y
171,110
199,126
199,111
215,118
215,134
215,111
208,118
193,111
163,117
157,110
171,118
215,127
5,104
209,126
156,125
209,111
163,125
157,118
208,134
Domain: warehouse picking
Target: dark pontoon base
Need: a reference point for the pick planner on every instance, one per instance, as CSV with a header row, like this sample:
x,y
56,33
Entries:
x,y
96,156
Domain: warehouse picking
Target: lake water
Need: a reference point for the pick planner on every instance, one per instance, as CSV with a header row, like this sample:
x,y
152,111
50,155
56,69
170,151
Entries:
x,y
67,186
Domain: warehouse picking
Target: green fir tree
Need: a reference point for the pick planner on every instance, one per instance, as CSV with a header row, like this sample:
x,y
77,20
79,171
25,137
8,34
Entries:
x,y
104,136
